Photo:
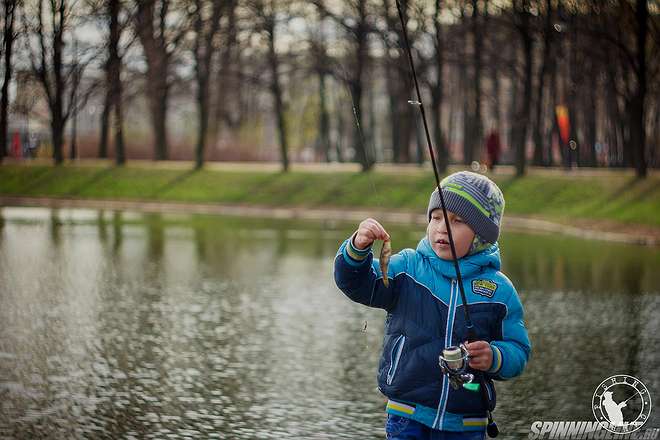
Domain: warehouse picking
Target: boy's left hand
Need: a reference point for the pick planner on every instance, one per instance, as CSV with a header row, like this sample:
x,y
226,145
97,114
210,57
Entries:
x,y
481,355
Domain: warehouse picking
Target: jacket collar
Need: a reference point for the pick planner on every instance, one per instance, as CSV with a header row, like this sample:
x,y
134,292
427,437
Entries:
x,y
469,265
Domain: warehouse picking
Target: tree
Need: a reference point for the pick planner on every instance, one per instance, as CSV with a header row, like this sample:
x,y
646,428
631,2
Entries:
x,y
522,23
58,75
160,26
112,12
8,37
545,68
637,102
227,106
476,117
321,68
206,26
437,91
399,80
266,13
355,21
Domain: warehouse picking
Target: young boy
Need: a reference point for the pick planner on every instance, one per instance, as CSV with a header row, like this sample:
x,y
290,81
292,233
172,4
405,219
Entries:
x,y
425,311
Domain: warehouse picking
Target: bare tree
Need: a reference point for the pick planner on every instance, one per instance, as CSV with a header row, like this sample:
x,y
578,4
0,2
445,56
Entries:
x,y
355,21
227,107
59,77
267,13
637,103
206,26
399,80
437,90
161,26
8,37
545,67
522,23
321,68
476,117
113,10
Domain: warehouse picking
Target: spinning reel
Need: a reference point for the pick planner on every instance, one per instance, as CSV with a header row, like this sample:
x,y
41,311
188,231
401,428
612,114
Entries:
x,y
454,363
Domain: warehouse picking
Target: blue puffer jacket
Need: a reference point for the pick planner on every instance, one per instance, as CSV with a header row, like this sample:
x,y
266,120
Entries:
x,y
424,315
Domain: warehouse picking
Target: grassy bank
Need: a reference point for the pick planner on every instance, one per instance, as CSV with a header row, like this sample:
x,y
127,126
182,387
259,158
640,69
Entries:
x,y
609,196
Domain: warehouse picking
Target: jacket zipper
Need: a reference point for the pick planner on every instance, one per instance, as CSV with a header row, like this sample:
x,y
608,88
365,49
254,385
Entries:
x,y
398,348
440,414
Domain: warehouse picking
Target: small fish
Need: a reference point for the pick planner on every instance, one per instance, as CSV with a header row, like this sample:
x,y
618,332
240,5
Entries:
x,y
364,328
385,253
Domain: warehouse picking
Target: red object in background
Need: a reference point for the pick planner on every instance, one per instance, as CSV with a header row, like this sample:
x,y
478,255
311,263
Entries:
x,y
564,123
493,148
16,144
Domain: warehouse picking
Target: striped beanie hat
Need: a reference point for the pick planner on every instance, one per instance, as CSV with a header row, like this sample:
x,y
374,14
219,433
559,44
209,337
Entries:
x,y
476,199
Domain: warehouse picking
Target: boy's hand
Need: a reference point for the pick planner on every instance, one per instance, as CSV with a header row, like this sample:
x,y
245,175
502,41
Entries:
x,y
368,231
481,355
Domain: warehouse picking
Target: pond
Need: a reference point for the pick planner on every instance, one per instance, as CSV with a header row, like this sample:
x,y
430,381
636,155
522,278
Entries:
x,y
129,325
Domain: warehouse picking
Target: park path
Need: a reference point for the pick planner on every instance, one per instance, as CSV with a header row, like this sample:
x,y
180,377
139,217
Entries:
x,y
333,167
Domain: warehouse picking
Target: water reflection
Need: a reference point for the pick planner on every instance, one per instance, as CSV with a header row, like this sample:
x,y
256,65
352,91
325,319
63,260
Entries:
x,y
121,324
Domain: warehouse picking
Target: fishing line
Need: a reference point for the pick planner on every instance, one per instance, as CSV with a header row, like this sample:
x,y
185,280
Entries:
x,y
363,144
418,103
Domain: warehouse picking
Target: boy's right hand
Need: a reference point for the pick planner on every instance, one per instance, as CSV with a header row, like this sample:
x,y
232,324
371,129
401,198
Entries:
x,y
368,231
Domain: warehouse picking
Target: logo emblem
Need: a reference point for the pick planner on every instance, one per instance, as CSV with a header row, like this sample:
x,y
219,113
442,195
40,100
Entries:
x,y
484,287
621,404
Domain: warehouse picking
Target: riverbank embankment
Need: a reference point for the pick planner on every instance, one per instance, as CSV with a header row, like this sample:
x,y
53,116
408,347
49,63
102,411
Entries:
x,y
599,204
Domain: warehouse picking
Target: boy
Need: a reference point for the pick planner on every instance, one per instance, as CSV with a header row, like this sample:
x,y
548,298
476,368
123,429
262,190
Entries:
x,y
425,312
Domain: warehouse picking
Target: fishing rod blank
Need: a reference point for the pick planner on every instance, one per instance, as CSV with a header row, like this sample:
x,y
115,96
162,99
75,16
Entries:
x,y
492,429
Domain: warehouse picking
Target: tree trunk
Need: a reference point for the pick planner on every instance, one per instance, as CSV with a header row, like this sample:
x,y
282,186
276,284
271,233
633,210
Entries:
x,y
547,159
590,113
158,95
276,91
465,92
158,50
324,120
637,127
522,120
356,90
437,95
114,81
203,52
8,43
57,112
57,134
477,118
120,155
73,151
203,118
105,122
340,135
513,102
393,97
539,120
226,82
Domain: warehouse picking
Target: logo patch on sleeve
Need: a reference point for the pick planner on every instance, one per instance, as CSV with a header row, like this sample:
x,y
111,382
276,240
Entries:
x,y
484,287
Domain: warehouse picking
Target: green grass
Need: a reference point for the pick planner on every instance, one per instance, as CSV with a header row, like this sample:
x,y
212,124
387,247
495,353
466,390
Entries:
x,y
609,196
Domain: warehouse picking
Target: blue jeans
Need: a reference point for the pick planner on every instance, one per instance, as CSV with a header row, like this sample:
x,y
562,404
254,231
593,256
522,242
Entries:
x,y
402,428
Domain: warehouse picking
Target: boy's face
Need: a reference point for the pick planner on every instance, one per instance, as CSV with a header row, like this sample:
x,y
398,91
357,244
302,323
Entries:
x,y
437,233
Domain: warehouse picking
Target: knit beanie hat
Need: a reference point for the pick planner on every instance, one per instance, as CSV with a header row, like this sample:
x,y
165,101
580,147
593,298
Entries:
x,y
477,200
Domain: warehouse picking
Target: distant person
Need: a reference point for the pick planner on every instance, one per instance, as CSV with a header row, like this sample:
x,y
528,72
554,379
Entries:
x,y
493,149
425,312
613,409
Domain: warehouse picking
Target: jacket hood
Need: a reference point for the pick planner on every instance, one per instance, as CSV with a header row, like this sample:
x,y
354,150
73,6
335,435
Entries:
x,y
469,265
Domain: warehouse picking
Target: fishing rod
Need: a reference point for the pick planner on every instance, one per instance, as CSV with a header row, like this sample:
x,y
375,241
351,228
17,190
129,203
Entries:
x,y
471,333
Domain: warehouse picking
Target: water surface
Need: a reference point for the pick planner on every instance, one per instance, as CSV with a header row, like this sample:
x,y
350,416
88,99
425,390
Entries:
x,y
127,325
